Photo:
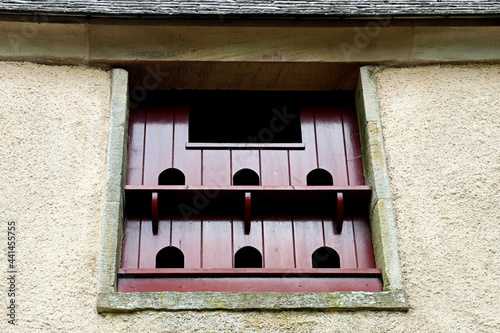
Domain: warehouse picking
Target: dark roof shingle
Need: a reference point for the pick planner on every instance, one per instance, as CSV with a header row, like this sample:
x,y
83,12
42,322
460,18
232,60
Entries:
x,y
294,8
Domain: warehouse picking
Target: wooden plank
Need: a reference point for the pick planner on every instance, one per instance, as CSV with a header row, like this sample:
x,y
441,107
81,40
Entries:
x,y
251,284
363,238
330,141
308,232
343,243
253,239
216,167
158,147
217,242
256,272
245,159
188,161
135,156
186,235
303,161
278,242
363,190
212,145
151,244
352,146
131,236
274,168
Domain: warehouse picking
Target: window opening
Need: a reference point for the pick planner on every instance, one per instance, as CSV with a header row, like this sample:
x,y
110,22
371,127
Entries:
x,y
319,177
170,257
271,203
171,176
248,257
244,117
246,177
325,257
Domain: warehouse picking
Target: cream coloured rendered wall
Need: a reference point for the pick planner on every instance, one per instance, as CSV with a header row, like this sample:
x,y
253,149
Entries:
x,y
441,129
53,139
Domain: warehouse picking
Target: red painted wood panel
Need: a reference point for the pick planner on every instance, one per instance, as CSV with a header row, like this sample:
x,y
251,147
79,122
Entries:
x,y
216,167
252,284
245,159
158,145
253,239
247,272
217,242
278,242
188,161
135,156
131,235
330,141
353,146
343,243
186,236
304,161
274,167
309,236
364,246
152,244
331,138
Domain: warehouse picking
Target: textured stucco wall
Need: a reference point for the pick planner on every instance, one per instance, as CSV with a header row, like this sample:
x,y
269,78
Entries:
x,y
53,140
441,129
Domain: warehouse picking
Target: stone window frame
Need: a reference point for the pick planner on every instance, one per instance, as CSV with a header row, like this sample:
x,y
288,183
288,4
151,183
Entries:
x,y
382,220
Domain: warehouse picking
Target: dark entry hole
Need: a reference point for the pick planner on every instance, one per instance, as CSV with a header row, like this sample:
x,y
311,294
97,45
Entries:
x,y
248,257
319,177
171,176
246,177
325,257
170,257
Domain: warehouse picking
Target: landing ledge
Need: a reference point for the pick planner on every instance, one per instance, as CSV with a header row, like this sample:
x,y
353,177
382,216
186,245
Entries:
x,y
340,301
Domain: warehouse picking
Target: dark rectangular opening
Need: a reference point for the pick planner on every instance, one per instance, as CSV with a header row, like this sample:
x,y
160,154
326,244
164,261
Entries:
x,y
244,117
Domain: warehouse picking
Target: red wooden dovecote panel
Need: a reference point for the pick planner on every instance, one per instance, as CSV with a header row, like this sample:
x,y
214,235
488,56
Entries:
x,y
204,217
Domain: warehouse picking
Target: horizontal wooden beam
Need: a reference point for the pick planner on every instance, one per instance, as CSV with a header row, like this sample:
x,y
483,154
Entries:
x,y
235,188
261,272
249,279
209,145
